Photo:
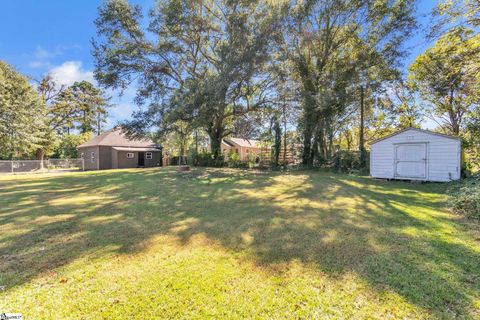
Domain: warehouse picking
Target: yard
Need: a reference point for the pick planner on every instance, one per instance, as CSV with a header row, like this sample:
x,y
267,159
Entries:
x,y
219,243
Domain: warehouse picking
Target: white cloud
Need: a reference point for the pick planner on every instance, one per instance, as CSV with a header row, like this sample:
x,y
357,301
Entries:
x,y
69,72
39,64
123,106
41,53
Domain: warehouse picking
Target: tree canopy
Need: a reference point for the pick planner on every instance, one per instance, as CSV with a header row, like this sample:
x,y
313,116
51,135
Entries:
x,y
21,114
447,77
204,62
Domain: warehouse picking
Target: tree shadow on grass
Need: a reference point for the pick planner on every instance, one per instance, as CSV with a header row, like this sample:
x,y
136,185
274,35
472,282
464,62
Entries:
x,y
396,236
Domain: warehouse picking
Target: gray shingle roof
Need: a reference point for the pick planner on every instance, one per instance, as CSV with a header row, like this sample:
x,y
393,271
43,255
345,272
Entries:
x,y
116,138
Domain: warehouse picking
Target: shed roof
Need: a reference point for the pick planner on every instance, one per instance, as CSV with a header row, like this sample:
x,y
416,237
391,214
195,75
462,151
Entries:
x,y
117,138
418,130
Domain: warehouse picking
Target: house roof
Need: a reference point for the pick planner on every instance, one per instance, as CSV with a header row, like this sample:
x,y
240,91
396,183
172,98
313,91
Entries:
x,y
135,149
227,143
415,129
249,143
117,138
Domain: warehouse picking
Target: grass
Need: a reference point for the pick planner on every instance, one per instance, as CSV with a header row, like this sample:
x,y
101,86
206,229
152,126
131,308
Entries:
x,y
217,243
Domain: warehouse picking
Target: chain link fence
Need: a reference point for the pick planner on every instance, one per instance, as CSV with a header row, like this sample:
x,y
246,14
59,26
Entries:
x,y
40,166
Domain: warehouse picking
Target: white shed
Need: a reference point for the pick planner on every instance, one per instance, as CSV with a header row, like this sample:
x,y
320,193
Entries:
x,y
415,154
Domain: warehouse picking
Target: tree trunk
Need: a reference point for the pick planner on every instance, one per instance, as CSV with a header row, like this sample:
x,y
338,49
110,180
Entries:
x,y
39,155
196,141
285,143
307,147
319,154
361,144
278,142
349,141
216,136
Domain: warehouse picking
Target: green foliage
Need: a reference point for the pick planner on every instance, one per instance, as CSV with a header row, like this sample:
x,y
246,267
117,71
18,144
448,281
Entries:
x,y
22,114
66,148
349,162
446,76
400,106
203,62
81,107
451,14
205,159
90,104
337,48
233,160
465,197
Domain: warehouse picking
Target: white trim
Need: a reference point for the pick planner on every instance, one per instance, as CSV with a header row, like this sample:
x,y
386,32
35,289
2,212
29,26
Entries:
x,y
130,155
148,155
415,129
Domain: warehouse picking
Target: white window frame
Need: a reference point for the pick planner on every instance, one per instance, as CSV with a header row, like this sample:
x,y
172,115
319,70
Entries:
x,y
130,155
149,155
92,156
82,155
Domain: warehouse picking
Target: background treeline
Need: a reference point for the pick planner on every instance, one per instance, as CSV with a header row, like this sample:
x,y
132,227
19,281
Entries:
x,y
46,118
323,76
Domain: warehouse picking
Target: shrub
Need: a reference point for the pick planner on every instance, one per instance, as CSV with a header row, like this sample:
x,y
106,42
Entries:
x,y
234,161
205,159
465,197
349,162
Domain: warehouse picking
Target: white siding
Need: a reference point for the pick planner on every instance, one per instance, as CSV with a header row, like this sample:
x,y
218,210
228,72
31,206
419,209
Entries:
x,y
443,155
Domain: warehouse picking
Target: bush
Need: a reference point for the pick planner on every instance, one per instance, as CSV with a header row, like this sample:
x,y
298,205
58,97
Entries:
x,y
465,197
205,159
234,161
349,162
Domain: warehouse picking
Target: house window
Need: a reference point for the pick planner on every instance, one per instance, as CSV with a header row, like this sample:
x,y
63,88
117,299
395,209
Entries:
x,y
82,155
130,155
148,155
92,156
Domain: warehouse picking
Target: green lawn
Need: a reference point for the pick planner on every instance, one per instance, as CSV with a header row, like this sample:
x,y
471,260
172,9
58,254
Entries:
x,y
218,243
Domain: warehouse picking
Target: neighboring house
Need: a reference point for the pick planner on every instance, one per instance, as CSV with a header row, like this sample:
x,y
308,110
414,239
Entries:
x,y
415,154
113,149
245,148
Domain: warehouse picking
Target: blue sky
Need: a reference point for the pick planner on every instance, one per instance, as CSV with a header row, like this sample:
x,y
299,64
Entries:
x,y
54,36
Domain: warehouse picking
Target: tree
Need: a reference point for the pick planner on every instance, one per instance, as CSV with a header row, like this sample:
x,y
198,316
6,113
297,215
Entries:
x,y
21,114
66,148
446,78
449,15
176,137
277,141
401,105
81,106
202,62
324,42
90,103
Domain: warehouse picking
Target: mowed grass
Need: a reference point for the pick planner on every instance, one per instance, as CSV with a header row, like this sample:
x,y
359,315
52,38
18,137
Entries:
x,y
218,243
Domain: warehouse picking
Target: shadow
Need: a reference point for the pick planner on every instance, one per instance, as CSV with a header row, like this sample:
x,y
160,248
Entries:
x,y
396,236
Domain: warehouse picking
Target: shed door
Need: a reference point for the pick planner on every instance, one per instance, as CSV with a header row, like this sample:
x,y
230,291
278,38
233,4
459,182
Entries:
x,y
411,160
